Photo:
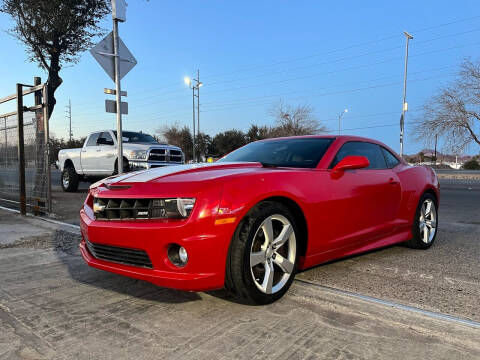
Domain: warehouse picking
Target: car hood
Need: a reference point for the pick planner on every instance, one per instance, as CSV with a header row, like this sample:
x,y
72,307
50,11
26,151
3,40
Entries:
x,y
146,146
186,173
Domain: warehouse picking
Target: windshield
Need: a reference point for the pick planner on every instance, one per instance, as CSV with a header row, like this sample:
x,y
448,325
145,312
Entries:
x,y
135,137
297,152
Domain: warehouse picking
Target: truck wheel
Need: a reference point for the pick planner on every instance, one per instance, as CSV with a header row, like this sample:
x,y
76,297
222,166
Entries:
x,y
69,179
126,167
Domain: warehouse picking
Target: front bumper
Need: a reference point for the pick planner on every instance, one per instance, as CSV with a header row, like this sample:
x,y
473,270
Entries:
x,y
206,243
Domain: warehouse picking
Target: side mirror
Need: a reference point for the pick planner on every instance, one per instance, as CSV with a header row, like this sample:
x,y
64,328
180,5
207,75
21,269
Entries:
x,y
351,163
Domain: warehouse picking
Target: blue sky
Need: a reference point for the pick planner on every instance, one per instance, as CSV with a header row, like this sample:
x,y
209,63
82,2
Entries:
x,y
329,54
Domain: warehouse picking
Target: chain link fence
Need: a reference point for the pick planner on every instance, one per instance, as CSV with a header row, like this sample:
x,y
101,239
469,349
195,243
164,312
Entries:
x,y
36,169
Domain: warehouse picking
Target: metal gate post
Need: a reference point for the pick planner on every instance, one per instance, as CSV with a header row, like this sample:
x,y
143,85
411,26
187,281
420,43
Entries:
x,y
21,151
47,148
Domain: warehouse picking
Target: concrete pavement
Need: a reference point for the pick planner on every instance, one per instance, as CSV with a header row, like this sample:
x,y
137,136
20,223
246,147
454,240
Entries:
x,y
52,306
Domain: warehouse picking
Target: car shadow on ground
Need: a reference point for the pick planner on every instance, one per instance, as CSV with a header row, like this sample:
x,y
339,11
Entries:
x,y
65,246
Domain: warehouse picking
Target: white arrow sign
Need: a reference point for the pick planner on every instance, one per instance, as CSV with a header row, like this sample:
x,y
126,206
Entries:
x,y
104,54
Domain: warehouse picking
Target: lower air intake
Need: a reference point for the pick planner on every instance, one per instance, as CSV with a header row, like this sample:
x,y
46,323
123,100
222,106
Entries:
x,y
126,256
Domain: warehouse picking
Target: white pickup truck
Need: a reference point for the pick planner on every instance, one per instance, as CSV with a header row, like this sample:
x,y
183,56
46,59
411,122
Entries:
x,y
98,157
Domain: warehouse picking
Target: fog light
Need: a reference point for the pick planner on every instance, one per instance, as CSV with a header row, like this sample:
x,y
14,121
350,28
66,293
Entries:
x,y
177,255
182,254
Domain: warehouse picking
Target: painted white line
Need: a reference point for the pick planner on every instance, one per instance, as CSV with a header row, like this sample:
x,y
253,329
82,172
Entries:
x,y
431,314
76,227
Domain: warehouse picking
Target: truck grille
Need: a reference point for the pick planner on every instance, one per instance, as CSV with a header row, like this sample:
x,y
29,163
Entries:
x,y
123,209
132,257
164,155
175,156
158,155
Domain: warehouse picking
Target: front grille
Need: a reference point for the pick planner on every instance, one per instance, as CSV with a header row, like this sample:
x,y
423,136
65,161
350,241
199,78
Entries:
x,y
133,257
127,209
158,155
175,156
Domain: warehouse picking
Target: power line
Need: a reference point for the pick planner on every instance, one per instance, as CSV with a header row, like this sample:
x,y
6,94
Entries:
x,y
348,47
325,53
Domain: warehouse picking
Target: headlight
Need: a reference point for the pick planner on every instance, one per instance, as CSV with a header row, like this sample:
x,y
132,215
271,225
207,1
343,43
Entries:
x,y
138,154
179,207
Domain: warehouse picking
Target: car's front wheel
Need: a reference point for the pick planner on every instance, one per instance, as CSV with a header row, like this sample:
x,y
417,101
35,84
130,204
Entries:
x,y
263,254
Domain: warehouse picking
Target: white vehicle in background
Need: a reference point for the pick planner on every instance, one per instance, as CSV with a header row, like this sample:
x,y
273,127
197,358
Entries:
x,y
98,157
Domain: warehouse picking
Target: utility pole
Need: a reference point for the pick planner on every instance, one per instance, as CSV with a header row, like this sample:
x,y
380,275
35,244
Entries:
x,y
436,135
69,116
194,87
404,104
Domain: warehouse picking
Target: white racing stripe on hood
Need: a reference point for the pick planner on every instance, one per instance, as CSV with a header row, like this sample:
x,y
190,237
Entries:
x,y
147,175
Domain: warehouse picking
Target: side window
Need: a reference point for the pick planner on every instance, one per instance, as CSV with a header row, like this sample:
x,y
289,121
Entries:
x,y
92,140
391,159
358,148
105,139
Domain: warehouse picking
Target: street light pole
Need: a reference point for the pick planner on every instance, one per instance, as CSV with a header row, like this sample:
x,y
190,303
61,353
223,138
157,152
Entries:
x,y
193,108
404,104
340,119
198,102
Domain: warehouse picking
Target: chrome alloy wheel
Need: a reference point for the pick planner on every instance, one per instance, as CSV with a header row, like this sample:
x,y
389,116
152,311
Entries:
x,y
273,253
65,179
427,221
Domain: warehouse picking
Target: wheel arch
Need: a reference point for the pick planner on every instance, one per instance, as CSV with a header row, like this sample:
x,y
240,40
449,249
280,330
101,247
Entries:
x,y
431,191
68,163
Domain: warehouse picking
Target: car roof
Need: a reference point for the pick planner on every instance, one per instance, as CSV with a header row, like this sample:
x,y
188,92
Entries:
x,y
340,137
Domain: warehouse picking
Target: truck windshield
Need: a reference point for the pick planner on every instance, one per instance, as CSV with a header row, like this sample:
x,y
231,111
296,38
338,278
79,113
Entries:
x,y
135,137
295,152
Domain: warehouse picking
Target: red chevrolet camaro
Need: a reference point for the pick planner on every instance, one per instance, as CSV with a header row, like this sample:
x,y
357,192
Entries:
x,y
254,218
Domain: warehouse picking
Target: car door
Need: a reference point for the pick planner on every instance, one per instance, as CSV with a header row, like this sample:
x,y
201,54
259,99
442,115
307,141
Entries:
x,y
105,154
87,156
362,199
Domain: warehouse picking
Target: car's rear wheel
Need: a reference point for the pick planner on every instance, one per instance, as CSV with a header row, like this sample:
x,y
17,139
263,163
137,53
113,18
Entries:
x,y
263,255
425,223
69,179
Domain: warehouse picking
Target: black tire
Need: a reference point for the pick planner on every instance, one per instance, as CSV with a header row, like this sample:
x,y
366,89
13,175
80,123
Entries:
x,y
126,167
69,179
417,241
239,274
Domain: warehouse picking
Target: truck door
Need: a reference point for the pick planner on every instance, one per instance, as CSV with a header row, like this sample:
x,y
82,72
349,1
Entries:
x,y
105,154
88,153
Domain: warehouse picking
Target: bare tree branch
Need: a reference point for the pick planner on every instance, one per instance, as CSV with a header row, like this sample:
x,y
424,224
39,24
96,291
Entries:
x,y
453,114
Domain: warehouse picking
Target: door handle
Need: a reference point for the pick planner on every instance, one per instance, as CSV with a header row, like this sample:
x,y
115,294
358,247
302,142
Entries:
x,y
392,181
99,150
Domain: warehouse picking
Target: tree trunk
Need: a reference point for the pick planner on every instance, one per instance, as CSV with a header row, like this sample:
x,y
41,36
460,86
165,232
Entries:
x,y
53,83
